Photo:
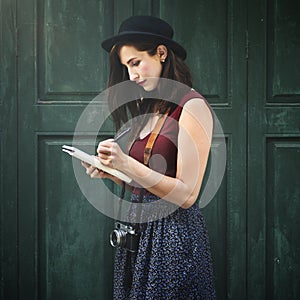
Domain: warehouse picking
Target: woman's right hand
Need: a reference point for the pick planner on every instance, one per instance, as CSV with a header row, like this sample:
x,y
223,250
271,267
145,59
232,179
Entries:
x,y
96,173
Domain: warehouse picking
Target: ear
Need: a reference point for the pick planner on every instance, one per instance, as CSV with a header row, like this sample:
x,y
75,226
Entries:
x,y
162,52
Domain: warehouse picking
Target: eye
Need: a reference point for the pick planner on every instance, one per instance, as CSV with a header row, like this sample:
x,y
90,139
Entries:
x,y
135,63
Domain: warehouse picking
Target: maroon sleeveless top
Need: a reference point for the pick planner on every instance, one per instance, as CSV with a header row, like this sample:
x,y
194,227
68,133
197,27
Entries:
x,y
164,152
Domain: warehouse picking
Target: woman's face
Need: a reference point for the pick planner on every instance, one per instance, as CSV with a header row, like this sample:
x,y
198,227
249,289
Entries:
x,y
142,68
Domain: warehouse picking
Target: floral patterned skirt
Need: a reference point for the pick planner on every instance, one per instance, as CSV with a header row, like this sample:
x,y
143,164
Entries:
x,y
173,260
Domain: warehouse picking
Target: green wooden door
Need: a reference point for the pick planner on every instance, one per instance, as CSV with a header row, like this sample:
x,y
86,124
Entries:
x,y
54,243
274,150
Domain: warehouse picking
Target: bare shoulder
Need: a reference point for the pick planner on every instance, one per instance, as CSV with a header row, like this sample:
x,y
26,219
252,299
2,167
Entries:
x,y
198,109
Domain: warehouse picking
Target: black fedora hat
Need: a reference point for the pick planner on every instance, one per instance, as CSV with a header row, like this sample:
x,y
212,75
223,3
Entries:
x,y
145,27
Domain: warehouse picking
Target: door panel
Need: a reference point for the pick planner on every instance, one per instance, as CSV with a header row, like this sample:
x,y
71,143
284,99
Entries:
x,y
74,255
206,33
274,129
69,57
282,218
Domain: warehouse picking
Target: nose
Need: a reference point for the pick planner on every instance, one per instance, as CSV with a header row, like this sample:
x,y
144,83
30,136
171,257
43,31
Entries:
x,y
133,76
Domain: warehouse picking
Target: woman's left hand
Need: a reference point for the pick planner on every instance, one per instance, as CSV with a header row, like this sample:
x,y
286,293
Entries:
x,y
110,154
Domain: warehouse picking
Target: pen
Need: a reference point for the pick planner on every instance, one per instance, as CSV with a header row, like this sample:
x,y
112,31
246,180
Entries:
x,y
120,135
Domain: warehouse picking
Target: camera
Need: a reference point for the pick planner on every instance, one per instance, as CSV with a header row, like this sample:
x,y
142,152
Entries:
x,y
124,236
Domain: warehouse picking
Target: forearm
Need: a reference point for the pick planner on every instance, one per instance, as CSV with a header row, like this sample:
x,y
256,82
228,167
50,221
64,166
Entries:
x,y
168,188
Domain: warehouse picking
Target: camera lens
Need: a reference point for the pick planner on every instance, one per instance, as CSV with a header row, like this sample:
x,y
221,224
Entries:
x,y
117,238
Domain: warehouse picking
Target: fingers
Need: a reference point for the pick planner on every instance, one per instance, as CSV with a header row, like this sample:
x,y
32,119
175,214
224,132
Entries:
x,y
84,164
106,143
105,155
104,151
92,171
107,152
107,147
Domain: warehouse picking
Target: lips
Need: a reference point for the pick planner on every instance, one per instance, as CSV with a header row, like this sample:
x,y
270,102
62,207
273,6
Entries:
x,y
141,82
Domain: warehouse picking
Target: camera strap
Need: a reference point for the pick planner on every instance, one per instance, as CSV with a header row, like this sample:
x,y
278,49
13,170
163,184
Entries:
x,y
148,150
121,200
147,154
153,136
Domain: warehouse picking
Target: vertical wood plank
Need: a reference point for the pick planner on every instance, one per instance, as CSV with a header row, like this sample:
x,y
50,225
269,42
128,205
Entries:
x,y
28,276
142,7
8,152
123,9
273,114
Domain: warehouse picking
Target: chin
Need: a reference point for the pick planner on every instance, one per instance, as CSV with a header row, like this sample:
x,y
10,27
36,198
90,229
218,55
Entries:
x,y
148,89
151,84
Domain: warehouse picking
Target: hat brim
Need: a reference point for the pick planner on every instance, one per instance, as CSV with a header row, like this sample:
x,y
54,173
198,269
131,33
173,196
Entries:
x,y
135,36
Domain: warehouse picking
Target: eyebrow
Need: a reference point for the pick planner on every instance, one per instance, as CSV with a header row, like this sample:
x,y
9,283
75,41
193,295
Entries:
x,y
130,60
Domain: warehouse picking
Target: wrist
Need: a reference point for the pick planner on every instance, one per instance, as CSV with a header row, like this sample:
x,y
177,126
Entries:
x,y
123,166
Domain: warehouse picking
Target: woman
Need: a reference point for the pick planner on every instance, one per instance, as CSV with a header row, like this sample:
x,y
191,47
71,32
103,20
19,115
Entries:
x,y
172,259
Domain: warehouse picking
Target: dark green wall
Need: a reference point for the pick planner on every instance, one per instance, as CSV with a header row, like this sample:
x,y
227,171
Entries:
x,y
245,59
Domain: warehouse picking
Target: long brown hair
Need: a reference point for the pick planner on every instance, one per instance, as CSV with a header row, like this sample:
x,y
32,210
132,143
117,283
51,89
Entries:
x,y
174,68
